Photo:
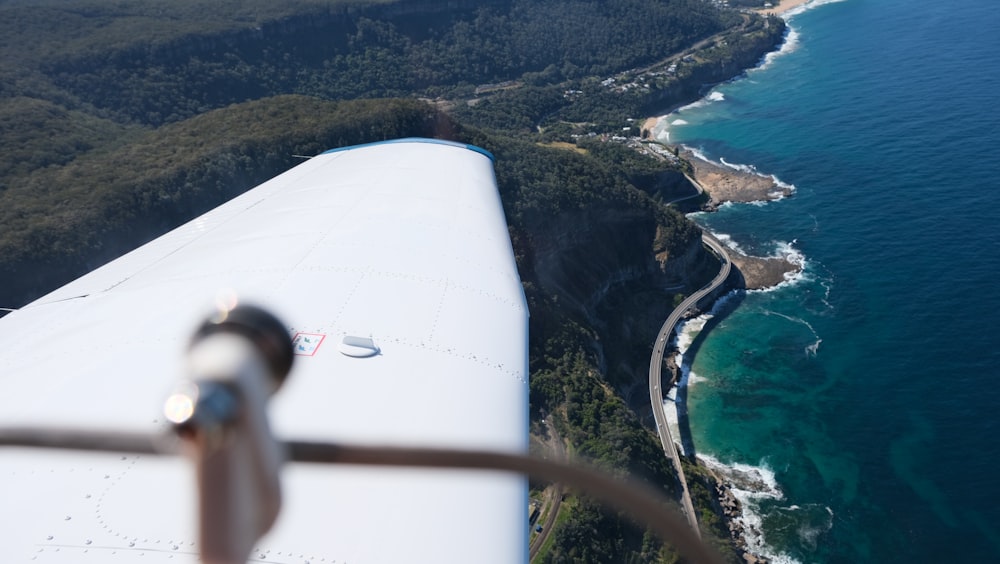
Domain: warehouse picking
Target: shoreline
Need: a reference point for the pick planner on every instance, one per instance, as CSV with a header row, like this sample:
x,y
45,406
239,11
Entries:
x,y
734,183
727,183
782,7
760,273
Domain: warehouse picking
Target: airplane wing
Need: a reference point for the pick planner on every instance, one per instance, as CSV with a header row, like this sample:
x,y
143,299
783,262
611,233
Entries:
x,y
391,264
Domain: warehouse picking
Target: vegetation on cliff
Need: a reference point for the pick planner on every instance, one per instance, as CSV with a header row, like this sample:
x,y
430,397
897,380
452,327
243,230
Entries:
x,y
120,120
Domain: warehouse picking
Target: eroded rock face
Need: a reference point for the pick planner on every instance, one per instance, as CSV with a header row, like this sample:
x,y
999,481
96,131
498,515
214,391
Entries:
x,y
579,255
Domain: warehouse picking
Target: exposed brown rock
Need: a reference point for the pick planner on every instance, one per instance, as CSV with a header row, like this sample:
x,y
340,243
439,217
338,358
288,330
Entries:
x,y
726,184
762,272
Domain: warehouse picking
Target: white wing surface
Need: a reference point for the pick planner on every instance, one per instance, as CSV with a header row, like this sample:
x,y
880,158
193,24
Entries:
x,y
393,267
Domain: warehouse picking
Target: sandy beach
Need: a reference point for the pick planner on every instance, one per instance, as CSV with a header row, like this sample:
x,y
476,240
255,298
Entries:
x,y
648,125
782,7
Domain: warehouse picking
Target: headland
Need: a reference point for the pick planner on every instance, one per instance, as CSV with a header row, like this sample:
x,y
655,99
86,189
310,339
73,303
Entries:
x,y
739,184
734,183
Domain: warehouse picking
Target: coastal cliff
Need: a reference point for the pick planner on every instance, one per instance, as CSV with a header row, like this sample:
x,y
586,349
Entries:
x,y
730,55
173,114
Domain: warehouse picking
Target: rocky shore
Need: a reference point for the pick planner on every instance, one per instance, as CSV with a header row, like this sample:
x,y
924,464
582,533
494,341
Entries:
x,y
739,185
732,184
727,184
760,273
732,510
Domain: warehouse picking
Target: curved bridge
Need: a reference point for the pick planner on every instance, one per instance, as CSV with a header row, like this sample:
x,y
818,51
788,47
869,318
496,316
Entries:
x,y
656,364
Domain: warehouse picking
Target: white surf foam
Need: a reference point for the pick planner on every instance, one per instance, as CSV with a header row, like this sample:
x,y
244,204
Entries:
x,y
827,288
685,334
687,331
783,190
713,96
785,185
740,167
790,45
751,484
727,240
693,378
697,153
809,532
787,251
810,350
679,122
670,413
751,169
810,6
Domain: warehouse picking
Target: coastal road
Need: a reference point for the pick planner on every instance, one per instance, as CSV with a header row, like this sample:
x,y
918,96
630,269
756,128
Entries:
x,y
698,191
656,365
555,497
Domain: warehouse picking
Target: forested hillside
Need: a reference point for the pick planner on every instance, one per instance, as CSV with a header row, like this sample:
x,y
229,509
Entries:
x,y
122,119
372,50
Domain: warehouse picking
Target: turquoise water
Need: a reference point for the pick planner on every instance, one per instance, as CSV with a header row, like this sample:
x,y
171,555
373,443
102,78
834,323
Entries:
x,y
863,398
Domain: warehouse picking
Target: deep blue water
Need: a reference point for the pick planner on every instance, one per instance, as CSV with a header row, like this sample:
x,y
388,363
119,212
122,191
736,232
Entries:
x,y
869,390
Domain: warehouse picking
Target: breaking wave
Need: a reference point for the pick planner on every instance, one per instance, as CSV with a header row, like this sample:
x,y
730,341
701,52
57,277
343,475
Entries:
x,y
755,485
790,45
727,240
687,331
750,485
785,188
782,188
713,96
809,6
786,250
740,167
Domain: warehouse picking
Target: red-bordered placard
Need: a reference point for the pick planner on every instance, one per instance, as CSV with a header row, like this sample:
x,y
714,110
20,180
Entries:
x,y
306,344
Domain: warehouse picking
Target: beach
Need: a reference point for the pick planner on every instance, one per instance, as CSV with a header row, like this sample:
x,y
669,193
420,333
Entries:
x,y
782,7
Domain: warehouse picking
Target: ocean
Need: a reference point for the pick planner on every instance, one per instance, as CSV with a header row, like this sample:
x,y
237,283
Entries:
x,y
857,406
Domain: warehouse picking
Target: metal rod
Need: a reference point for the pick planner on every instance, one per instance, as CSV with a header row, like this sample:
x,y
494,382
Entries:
x,y
642,502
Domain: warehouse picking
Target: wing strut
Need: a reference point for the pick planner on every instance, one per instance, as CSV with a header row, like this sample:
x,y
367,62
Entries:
x,y
236,361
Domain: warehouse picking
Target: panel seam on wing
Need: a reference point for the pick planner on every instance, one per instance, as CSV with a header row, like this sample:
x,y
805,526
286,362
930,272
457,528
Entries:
x,y
482,360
